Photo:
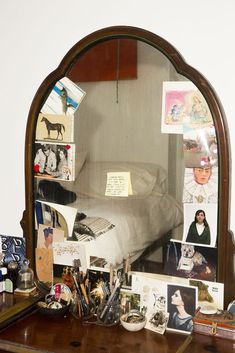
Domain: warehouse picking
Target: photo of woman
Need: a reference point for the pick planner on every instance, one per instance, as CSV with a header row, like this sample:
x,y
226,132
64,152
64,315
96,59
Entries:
x,y
63,171
199,230
200,224
181,305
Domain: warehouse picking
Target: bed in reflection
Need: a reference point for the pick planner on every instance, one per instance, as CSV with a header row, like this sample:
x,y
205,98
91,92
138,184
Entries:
x,y
113,228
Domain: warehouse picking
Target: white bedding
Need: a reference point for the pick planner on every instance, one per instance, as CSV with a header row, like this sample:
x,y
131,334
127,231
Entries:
x,y
139,219
138,223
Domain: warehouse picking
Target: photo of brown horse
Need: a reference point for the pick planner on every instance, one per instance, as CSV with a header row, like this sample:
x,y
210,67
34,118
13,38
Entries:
x,y
58,127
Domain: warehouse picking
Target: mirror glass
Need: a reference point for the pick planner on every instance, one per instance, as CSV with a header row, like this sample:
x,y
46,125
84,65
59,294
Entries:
x,y
125,159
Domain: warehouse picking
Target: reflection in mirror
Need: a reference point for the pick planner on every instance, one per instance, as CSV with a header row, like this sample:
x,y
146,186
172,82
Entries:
x,y
114,163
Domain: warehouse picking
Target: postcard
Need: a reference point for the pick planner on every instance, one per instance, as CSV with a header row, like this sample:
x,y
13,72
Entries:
x,y
190,261
181,306
183,103
47,235
200,185
64,253
175,108
210,294
152,301
51,127
200,224
54,160
64,98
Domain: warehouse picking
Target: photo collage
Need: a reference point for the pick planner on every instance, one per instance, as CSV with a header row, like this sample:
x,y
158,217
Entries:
x,y
67,233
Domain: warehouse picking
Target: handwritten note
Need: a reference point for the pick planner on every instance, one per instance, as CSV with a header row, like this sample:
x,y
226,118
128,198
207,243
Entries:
x,y
118,184
64,253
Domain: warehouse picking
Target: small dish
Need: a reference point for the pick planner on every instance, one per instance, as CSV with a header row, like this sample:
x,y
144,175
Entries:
x,y
133,321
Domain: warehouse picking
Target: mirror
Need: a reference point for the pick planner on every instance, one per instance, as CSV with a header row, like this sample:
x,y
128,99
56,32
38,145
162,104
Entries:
x,y
132,150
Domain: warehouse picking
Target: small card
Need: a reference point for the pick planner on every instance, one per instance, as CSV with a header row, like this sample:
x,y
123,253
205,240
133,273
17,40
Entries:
x,y
64,253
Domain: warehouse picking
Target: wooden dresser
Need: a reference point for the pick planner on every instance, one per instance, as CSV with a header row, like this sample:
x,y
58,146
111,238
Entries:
x,y
38,333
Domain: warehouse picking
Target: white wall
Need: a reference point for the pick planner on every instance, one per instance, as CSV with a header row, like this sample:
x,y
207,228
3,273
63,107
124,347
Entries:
x,y
35,35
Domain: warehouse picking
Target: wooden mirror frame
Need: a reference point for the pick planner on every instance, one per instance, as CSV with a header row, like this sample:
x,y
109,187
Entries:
x,y
226,247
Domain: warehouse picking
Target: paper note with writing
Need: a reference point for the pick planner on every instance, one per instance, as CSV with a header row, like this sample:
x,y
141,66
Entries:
x,y
118,184
64,253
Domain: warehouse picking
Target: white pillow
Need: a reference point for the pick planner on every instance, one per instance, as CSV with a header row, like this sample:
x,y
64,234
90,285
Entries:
x,y
144,177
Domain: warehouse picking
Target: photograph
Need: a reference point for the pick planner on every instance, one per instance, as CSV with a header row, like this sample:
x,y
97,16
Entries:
x,y
200,224
190,261
52,127
181,306
200,143
64,98
54,161
128,301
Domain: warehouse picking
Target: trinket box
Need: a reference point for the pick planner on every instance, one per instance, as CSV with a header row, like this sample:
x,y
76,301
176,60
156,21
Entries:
x,y
221,324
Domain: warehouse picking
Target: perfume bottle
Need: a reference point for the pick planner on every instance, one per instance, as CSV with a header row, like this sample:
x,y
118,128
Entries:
x,y
25,278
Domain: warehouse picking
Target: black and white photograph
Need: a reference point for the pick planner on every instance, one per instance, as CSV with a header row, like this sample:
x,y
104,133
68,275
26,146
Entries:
x,y
54,161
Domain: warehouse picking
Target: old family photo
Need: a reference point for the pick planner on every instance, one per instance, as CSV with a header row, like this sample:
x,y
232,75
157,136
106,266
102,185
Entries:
x,y
55,161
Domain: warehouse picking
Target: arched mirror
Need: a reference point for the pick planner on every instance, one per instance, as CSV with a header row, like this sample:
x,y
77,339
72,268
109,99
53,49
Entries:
x,y
126,144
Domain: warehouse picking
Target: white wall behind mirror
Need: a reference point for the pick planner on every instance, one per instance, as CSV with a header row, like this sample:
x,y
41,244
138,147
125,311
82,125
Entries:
x,y
27,59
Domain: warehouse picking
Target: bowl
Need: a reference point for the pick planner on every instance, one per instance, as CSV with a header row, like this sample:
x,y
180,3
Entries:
x,y
52,312
133,325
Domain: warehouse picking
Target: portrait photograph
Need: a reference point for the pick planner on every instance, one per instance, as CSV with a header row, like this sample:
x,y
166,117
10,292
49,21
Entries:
x,y
181,306
200,224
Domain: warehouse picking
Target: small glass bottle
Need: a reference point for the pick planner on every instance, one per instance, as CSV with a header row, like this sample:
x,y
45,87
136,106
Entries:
x,y
25,278
4,274
13,269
